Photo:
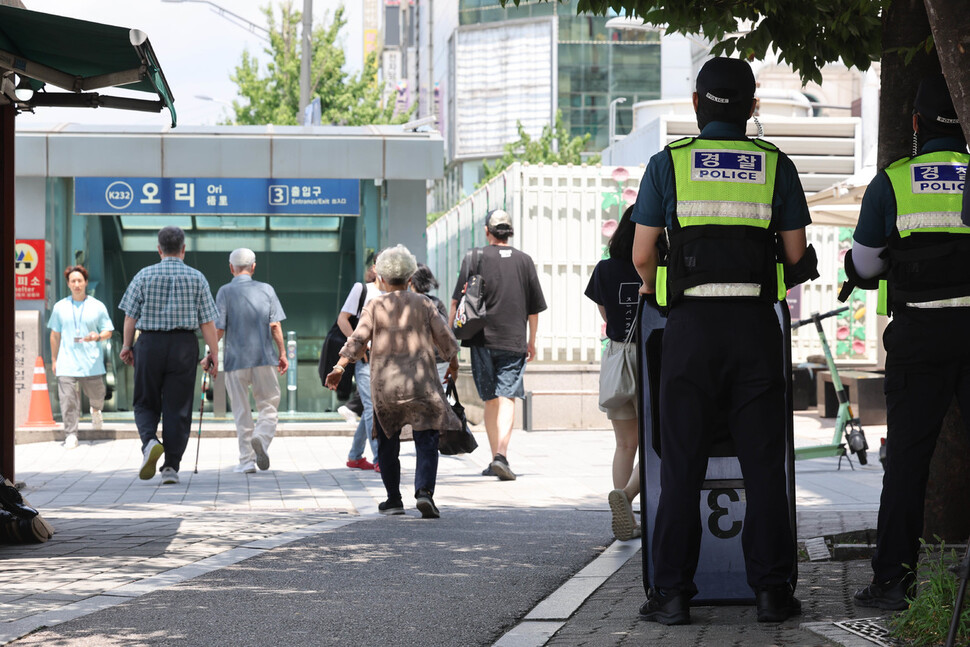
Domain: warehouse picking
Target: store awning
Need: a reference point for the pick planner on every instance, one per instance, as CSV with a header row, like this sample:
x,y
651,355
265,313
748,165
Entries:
x,y
839,204
79,57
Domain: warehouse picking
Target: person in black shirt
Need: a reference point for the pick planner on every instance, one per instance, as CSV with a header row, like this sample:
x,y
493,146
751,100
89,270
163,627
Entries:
x,y
513,299
615,288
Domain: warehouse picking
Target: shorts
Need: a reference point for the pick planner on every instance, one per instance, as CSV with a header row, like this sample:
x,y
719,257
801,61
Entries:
x,y
498,373
626,411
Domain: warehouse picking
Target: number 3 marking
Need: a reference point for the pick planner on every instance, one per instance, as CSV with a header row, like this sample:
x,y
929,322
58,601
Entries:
x,y
717,511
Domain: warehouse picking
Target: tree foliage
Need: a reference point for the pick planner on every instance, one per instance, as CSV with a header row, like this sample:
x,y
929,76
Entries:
x,y
807,34
274,97
554,146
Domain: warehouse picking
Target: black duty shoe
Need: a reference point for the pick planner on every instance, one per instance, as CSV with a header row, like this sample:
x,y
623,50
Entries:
x,y
500,468
488,471
391,507
777,604
426,505
667,610
889,595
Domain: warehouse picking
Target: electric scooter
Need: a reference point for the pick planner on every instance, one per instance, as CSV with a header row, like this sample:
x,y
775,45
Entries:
x,y
845,423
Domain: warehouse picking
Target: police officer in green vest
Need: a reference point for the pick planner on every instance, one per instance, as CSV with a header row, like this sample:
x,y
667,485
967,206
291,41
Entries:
x,y
911,244
735,213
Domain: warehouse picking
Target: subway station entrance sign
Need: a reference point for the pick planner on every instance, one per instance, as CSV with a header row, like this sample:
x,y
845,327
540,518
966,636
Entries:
x,y
216,196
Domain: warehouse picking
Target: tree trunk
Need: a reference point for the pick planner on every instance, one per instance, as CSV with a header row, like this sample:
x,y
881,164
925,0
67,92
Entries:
x,y
947,512
904,24
950,22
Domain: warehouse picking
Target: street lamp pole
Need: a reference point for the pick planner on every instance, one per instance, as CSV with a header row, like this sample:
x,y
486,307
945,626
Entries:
x,y
612,130
305,54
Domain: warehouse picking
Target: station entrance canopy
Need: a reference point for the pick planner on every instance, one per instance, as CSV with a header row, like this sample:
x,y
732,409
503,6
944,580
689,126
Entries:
x,y
78,56
39,52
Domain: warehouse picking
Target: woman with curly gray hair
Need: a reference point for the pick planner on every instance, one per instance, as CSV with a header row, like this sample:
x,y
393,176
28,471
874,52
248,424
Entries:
x,y
403,329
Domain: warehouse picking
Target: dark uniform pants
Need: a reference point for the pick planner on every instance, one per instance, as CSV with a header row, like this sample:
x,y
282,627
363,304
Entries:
x,y
927,364
165,370
722,364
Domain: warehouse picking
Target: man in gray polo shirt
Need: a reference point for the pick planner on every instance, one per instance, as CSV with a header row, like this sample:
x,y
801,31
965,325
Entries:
x,y
248,315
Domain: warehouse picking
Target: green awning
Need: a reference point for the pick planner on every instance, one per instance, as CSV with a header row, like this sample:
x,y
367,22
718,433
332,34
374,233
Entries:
x,y
78,56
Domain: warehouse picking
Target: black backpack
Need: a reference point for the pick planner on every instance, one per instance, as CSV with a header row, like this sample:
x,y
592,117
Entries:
x,y
330,351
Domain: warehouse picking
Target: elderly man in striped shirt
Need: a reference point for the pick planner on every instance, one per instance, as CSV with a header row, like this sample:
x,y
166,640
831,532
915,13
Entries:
x,y
167,302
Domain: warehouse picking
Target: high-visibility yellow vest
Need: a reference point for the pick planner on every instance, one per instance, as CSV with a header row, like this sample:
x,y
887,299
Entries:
x,y
722,243
929,252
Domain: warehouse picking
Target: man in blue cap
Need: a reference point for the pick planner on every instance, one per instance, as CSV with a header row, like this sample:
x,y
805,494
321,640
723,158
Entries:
x,y
735,213
911,245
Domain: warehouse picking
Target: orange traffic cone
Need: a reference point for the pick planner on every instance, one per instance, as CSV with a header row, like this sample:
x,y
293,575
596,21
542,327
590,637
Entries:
x,y
40,400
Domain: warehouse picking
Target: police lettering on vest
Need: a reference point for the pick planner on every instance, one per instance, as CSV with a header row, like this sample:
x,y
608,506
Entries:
x,y
727,166
938,178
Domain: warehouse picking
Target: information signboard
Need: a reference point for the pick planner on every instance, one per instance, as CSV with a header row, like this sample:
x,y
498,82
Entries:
x,y
216,196
29,272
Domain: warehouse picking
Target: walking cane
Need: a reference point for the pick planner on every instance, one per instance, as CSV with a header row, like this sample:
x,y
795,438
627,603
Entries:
x,y
198,443
962,571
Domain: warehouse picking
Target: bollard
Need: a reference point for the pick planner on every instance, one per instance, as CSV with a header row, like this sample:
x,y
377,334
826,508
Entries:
x,y
291,373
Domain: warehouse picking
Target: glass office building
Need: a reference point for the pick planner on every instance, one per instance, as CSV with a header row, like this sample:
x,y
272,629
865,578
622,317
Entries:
x,y
596,64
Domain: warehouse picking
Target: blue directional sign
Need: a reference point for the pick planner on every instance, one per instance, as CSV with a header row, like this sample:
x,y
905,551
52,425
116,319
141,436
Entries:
x,y
216,196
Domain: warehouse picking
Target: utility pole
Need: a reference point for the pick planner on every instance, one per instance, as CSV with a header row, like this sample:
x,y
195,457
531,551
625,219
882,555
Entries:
x,y
306,51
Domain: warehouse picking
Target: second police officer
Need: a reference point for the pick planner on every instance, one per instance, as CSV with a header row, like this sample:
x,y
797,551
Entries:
x,y
910,234
736,215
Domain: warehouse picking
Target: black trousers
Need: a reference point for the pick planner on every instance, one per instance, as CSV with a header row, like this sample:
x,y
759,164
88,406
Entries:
x,y
722,365
165,370
927,365
388,457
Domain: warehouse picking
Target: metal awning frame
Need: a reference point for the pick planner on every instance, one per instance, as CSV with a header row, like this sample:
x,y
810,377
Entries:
x,y
77,87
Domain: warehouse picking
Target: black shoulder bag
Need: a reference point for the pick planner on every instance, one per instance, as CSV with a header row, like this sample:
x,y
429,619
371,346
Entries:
x,y
470,314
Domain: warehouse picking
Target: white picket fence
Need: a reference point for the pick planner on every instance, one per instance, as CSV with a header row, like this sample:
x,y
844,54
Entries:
x,y
558,214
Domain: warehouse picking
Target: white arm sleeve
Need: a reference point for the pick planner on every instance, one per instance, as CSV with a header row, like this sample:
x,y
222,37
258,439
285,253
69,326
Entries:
x,y
867,260
350,305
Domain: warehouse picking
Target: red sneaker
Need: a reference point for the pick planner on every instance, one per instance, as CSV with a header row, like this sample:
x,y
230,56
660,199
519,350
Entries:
x,y
377,468
360,464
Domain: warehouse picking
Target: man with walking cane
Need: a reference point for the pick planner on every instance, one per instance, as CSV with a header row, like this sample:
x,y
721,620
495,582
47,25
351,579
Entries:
x,y
167,302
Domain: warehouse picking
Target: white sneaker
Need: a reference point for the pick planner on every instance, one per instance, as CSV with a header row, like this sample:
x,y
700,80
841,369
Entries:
x,y
153,451
97,420
245,468
348,415
262,458
70,442
169,476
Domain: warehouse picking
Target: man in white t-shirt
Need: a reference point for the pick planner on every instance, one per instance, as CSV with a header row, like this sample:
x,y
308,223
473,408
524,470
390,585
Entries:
x,y
347,320
78,325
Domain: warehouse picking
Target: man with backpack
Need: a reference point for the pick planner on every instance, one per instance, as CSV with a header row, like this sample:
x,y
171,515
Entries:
x,y
512,300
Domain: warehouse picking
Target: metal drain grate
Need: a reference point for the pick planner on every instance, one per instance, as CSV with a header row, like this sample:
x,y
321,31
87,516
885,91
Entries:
x,y
872,629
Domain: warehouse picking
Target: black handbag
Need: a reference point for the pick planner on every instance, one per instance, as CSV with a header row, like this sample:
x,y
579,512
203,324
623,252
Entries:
x,y
470,313
330,352
456,441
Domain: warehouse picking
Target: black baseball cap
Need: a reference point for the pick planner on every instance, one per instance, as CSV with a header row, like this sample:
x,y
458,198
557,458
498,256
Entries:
x,y
934,103
726,81
499,221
